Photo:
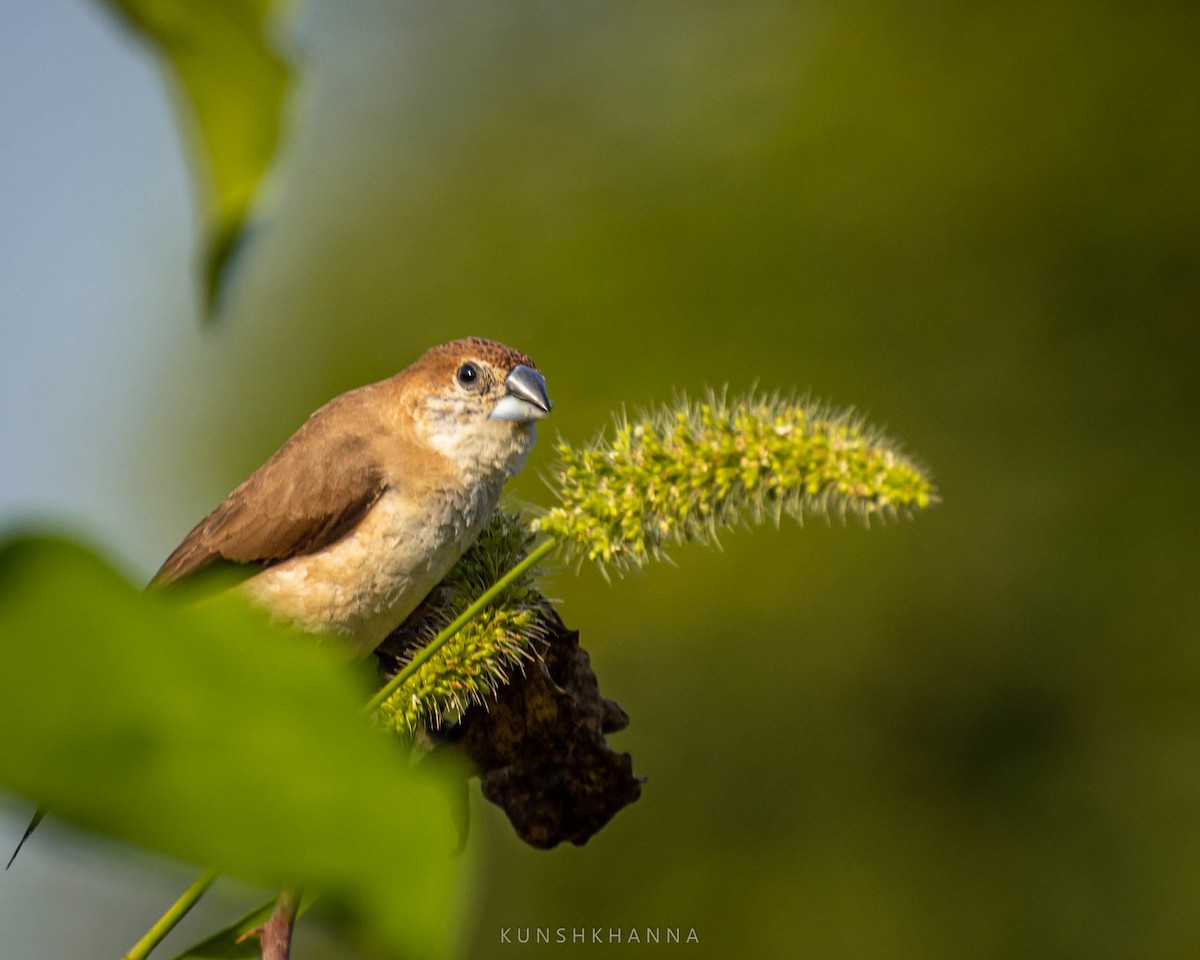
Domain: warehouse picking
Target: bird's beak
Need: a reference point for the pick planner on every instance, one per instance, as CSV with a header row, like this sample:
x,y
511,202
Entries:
x,y
526,399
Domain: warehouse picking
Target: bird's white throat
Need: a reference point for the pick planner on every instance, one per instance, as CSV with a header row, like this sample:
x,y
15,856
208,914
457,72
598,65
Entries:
x,y
481,447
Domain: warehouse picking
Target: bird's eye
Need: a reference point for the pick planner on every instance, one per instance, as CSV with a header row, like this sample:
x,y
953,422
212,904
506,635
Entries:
x,y
468,373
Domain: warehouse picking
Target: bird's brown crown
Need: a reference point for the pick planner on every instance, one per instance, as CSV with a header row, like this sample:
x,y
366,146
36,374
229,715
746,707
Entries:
x,y
479,348
438,365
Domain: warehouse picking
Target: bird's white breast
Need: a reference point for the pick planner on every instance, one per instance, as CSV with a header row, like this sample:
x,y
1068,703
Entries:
x,y
366,583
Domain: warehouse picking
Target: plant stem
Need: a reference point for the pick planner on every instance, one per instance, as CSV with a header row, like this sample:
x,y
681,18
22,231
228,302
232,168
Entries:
x,y
275,936
176,912
427,651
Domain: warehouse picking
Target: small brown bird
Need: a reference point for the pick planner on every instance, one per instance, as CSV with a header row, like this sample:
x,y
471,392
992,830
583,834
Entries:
x,y
372,501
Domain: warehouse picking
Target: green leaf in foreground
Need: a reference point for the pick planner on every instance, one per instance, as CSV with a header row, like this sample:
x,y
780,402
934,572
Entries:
x,y
233,86
205,735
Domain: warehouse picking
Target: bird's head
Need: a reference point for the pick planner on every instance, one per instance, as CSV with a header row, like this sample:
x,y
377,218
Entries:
x,y
476,402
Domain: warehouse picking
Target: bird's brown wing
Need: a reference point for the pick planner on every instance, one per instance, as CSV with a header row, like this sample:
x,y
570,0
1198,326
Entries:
x,y
312,492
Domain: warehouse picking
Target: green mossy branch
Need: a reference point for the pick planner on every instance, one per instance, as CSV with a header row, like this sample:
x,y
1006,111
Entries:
x,y
681,473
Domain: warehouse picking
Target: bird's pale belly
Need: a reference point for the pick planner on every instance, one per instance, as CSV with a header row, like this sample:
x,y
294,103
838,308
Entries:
x,y
365,584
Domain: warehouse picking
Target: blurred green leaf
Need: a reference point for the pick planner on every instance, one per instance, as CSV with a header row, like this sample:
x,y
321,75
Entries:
x,y
204,734
234,84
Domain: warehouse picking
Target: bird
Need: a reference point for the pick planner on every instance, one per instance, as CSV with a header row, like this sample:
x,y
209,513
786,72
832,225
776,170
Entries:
x,y
372,501
365,508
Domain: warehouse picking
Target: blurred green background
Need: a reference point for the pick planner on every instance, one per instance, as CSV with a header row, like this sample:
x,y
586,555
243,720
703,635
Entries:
x,y
970,735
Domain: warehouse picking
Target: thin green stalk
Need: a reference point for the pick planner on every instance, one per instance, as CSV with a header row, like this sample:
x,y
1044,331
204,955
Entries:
x,y
176,912
427,651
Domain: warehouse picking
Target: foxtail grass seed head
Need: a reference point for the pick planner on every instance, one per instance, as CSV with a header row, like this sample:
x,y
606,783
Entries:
x,y
682,473
473,664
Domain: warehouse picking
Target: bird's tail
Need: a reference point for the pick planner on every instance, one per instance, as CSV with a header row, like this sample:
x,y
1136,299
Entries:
x,y
38,817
